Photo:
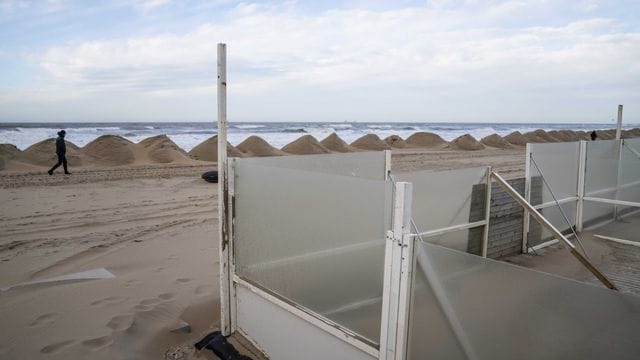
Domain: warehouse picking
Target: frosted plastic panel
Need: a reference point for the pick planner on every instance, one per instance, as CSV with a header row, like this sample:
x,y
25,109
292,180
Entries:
x,y
446,198
630,162
370,165
538,234
314,239
558,163
467,240
468,307
601,166
596,213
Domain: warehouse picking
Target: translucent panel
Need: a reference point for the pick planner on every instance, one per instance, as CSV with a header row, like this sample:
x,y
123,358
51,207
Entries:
x,y
446,198
314,239
595,213
601,167
558,163
370,165
630,162
467,240
538,234
468,307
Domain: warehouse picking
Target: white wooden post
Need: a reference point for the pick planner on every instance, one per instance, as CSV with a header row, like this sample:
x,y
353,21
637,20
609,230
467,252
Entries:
x,y
582,168
223,195
619,124
397,277
487,213
527,196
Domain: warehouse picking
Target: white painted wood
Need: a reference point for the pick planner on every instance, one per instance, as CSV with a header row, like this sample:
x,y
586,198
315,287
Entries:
x,y
223,192
621,241
387,164
554,204
619,124
436,232
406,275
392,275
582,168
612,189
543,245
527,196
487,213
286,331
231,244
612,201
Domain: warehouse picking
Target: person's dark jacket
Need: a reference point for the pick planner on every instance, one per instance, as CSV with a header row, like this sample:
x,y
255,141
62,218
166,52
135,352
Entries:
x,y
61,148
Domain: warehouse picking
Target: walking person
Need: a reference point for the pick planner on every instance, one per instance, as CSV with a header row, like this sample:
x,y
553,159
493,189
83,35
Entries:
x,y
61,151
594,136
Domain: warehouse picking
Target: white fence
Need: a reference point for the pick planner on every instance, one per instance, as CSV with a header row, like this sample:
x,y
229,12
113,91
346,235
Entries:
x,y
580,185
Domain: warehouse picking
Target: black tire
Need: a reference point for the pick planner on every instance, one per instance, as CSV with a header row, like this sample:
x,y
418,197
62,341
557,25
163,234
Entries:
x,y
211,176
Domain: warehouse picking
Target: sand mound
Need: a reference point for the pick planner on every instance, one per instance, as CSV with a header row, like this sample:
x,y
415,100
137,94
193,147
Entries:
x,y
305,145
8,151
396,141
425,139
516,138
44,154
334,143
540,136
466,142
606,134
161,149
256,146
110,150
496,141
370,142
208,150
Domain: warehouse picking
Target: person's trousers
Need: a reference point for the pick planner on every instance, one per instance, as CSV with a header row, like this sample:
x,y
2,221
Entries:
x,y
62,160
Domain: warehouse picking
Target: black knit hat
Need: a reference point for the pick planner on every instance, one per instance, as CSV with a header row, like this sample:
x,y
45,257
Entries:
x,y
62,133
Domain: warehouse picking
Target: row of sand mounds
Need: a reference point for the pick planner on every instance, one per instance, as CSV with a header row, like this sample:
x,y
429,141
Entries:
x,y
208,150
111,150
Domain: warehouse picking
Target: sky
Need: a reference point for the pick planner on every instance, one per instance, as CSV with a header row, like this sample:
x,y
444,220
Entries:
x,y
423,61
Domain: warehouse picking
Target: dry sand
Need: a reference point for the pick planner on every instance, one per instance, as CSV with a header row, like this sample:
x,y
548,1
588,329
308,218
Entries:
x,y
334,143
305,145
396,142
466,142
370,142
154,228
208,150
256,146
496,141
425,139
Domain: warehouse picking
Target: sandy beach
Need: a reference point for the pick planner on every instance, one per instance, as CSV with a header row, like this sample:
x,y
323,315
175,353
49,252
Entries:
x,y
154,227
141,213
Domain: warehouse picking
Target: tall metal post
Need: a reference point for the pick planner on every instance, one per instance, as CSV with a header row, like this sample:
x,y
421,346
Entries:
x,y
223,194
619,124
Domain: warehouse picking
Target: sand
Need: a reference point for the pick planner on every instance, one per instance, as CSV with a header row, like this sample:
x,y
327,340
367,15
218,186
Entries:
x,y
305,145
396,142
425,139
154,227
256,146
208,150
110,150
496,141
466,142
334,143
44,154
160,149
370,142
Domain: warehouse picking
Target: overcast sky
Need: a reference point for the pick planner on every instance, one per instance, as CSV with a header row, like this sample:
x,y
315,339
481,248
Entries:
x,y
467,61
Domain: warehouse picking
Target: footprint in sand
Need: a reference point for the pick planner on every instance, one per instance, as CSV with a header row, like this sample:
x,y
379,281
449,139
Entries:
x,y
111,300
98,343
56,347
182,280
120,322
203,290
132,283
167,296
150,302
44,320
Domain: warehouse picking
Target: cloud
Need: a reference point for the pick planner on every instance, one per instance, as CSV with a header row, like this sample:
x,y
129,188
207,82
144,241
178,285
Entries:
x,y
438,52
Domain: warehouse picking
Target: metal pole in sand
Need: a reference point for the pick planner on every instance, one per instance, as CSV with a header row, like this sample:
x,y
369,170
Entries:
x,y
619,125
223,193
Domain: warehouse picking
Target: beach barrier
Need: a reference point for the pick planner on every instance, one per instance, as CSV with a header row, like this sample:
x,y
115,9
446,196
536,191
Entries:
x,y
581,185
332,257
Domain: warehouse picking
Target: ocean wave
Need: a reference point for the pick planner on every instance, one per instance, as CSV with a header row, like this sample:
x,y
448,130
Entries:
x,y
247,126
299,130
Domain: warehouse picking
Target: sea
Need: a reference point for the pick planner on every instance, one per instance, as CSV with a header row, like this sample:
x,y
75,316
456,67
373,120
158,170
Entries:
x,y
189,134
